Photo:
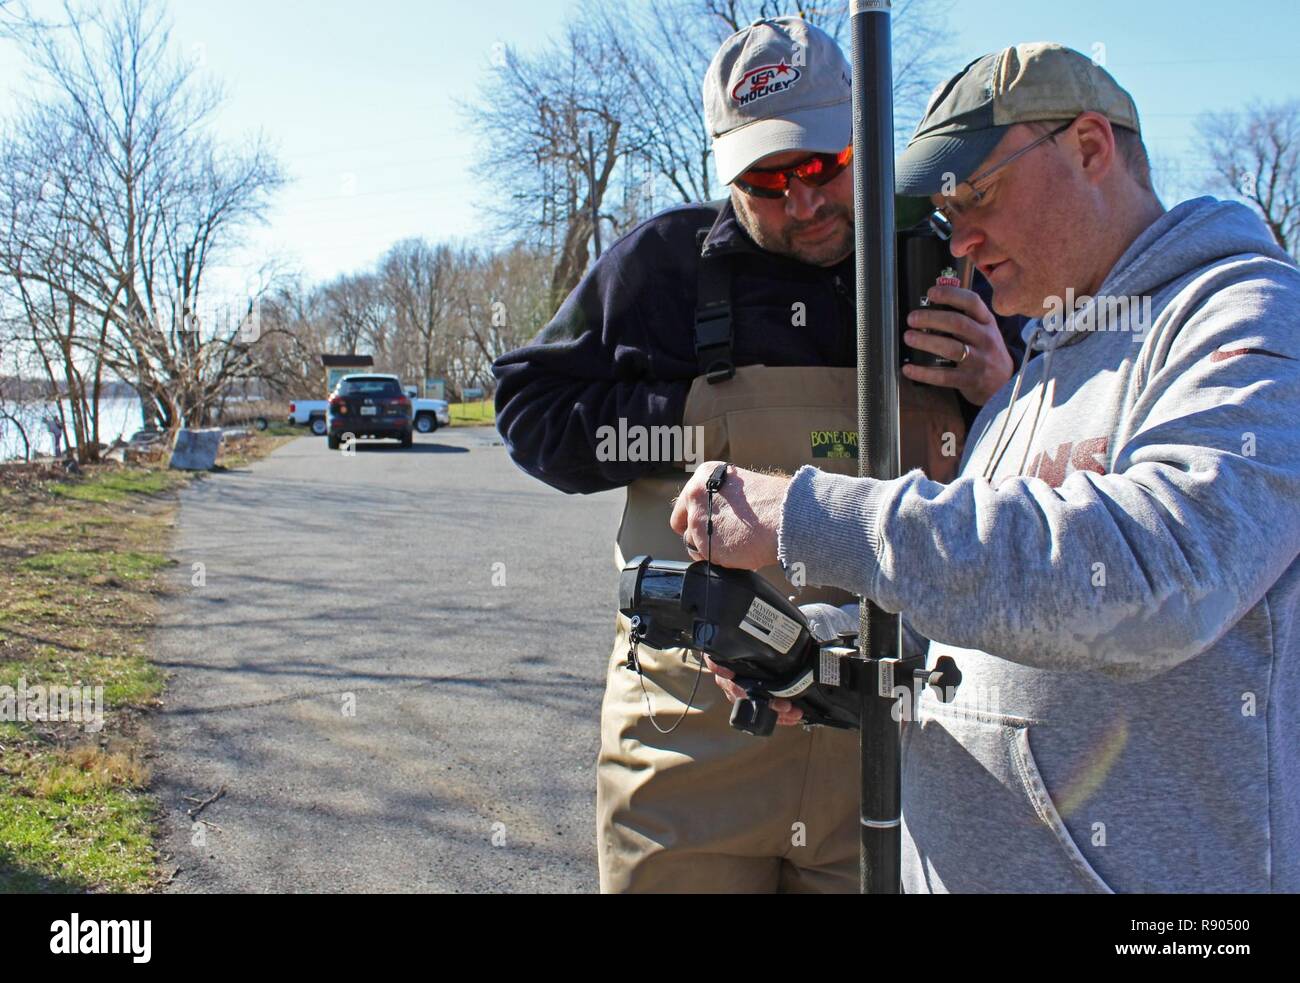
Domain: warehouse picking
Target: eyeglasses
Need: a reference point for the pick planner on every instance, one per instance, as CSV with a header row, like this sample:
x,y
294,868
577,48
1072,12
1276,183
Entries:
x,y
817,170
942,217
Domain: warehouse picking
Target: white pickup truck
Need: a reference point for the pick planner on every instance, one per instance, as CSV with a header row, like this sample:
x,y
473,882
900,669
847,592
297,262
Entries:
x,y
429,414
309,413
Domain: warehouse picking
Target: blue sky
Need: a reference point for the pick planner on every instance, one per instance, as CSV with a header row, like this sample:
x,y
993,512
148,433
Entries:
x,y
360,99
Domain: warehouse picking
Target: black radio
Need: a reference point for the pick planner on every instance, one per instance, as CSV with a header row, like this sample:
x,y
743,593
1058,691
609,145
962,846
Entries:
x,y
924,260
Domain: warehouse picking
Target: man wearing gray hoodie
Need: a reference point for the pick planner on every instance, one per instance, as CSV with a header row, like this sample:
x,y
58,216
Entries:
x,y
1129,712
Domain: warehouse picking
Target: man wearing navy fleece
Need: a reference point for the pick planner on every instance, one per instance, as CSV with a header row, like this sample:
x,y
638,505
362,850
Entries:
x,y
767,379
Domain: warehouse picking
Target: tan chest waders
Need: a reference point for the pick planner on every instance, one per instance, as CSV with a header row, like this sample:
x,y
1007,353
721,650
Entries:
x,y
706,808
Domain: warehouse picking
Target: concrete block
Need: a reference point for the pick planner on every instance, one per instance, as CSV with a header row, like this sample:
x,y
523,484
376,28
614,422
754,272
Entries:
x,y
196,450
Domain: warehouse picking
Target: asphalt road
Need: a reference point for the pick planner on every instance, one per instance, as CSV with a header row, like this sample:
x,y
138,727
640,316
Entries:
x,y
384,716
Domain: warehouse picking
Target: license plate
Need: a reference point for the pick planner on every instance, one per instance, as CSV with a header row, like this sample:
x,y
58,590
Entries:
x,y
369,410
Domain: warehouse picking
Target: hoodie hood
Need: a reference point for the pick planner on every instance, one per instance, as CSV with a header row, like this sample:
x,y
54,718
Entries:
x,y
1186,238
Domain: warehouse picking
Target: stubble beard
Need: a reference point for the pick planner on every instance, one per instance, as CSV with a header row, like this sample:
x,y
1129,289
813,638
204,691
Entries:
x,y
783,242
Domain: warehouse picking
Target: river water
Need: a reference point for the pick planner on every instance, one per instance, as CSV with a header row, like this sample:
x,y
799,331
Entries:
x,y
117,417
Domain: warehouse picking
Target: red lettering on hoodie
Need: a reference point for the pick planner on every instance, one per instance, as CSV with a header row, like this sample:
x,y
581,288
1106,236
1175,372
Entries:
x,y
1223,356
1071,456
1052,469
1090,455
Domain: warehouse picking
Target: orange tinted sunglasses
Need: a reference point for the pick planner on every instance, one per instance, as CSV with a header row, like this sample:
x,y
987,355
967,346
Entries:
x,y
817,170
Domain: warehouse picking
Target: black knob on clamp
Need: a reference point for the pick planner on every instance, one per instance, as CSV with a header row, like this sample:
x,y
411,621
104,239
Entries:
x,y
945,677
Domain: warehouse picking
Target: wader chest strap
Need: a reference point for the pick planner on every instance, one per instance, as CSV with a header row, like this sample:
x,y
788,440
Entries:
x,y
713,318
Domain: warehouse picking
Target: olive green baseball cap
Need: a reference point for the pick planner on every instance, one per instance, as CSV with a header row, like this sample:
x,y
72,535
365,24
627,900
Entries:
x,y
1026,83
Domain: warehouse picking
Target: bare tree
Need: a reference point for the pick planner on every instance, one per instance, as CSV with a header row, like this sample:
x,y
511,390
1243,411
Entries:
x,y
425,310
666,45
359,312
420,279
734,15
552,129
295,333
1255,155
39,251
16,416
511,307
145,202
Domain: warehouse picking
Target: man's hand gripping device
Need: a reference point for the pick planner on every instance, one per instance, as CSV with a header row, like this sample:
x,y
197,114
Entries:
x,y
748,626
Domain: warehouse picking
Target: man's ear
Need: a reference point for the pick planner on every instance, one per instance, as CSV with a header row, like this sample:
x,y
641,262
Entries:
x,y
1093,140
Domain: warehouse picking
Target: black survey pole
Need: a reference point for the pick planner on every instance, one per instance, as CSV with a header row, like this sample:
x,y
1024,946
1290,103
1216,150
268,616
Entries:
x,y
878,453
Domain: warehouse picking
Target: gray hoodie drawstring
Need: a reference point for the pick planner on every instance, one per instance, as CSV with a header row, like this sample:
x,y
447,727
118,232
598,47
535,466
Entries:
x,y
998,449
1042,397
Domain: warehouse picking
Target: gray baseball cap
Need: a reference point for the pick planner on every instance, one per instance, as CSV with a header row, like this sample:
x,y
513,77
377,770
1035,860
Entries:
x,y
781,84
970,113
